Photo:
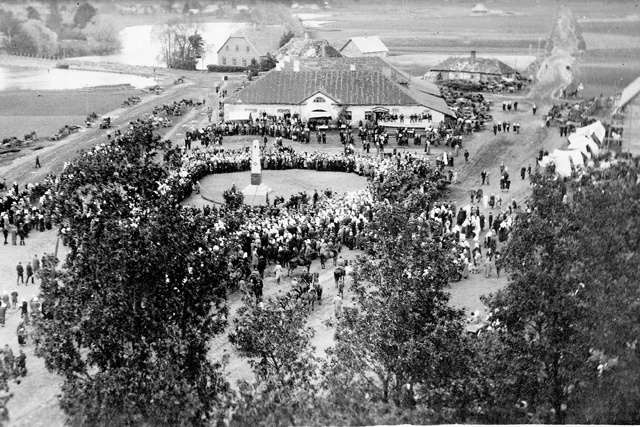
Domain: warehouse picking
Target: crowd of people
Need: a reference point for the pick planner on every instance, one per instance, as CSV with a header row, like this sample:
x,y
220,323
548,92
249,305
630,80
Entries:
x,y
468,223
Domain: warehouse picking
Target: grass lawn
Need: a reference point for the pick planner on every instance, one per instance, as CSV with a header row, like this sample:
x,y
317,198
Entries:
x,y
284,183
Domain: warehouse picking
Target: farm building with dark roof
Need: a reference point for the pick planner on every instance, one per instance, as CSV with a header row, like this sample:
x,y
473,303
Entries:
x,y
470,68
323,94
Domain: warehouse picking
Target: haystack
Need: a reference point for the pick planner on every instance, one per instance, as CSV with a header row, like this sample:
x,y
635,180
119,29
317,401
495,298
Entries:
x,y
479,8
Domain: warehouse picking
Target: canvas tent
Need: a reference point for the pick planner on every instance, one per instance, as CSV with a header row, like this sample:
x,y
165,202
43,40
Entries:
x,y
583,143
596,129
564,160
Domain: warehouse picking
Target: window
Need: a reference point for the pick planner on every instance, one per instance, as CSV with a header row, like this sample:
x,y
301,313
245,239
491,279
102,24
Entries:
x,y
224,61
227,48
247,49
319,99
234,61
348,115
244,62
237,48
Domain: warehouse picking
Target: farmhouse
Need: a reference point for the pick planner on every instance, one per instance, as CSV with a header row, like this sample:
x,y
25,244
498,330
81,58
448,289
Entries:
x,y
364,46
470,68
249,44
307,48
359,94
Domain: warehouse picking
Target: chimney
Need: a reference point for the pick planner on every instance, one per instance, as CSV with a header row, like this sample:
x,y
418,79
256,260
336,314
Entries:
x,y
306,34
352,67
278,66
473,56
296,65
287,58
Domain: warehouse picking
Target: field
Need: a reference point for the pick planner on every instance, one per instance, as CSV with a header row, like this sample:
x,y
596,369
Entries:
x,y
420,34
47,111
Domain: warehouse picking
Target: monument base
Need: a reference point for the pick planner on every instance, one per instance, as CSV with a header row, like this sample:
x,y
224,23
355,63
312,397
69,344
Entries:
x,y
255,195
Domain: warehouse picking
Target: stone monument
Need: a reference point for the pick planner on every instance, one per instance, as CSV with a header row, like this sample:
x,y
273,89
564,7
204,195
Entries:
x,y
256,193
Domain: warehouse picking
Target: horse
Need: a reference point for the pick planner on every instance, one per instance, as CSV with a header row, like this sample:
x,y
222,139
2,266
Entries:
x,y
327,254
309,298
298,262
284,256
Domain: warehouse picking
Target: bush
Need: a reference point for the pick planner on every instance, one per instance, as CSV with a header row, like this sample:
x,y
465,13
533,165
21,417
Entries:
x,y
226,68
233,197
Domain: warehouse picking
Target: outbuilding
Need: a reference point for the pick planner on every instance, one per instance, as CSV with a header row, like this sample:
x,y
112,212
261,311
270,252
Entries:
x,y
471,68
364,46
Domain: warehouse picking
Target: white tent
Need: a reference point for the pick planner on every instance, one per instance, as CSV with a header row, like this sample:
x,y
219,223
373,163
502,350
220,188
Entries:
x,y
564,161
596,129
576,158
583,143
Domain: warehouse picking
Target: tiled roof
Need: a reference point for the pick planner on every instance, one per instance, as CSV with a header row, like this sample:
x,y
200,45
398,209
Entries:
x,y
629,92
369,44
307,48
434,102
346,87
474,65
361,63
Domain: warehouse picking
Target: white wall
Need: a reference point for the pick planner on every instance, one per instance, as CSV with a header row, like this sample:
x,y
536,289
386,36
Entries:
x,y
357,111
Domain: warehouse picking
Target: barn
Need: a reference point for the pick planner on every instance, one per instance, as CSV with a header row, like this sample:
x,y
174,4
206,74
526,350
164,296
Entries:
x,y
470,68
364,46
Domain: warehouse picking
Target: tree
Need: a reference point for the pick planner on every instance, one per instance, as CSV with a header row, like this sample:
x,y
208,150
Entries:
x,y
286,37
401,344
84,14
139,298
35,38
9,25
268,63
233,197
564,335
102,36
9,372
32,13
274,336
182,43
54,18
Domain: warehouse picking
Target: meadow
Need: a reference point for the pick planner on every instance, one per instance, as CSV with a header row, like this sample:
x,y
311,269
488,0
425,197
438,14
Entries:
x,y
45,112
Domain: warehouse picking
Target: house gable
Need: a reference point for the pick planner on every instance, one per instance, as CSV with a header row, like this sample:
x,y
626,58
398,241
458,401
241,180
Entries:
x,y
320,97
